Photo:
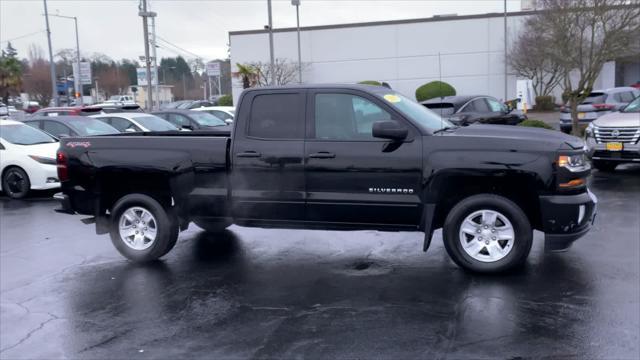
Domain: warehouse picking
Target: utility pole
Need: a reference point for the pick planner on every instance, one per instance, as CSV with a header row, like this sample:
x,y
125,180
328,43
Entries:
x,y
271,64
145,27
54,90
505,50
297,5
155,61
77,83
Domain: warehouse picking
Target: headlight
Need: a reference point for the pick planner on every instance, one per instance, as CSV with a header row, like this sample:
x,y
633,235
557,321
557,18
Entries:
x,y
572,162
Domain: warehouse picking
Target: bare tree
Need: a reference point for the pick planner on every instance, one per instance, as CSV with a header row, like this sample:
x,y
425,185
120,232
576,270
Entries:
x,y
286,72
529,58
37,81
581,35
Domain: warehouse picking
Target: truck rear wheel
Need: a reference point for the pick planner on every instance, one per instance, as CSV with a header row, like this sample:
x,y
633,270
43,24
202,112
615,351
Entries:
x,y
487,233
141,228
212,225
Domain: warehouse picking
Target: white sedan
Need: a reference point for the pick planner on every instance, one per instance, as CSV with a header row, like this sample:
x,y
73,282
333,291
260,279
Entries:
x,y
27,159
226,113
135,122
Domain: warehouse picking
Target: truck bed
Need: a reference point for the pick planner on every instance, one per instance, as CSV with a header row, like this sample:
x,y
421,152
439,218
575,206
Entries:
x,y
187,169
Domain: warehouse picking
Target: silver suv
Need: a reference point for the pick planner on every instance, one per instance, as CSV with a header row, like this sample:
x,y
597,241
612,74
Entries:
x,y
615,138
597,104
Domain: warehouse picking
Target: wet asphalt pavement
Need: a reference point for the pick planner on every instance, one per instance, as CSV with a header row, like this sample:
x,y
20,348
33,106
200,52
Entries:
x,y
66,293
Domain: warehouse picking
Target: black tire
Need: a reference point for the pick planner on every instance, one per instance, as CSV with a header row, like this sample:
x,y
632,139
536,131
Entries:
x,y
212,226
16,183
521,241
166,225
605,166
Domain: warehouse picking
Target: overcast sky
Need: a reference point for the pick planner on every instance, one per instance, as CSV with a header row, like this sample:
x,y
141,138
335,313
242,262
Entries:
x,y
112,27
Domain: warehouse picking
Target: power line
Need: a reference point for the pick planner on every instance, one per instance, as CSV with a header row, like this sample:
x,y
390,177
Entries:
x,y
22,36
178,47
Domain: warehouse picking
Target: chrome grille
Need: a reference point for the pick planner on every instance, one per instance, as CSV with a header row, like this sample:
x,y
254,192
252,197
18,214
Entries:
x,y
629,135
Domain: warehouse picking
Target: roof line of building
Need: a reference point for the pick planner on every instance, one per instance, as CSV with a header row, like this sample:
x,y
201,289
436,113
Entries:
x,y
435,18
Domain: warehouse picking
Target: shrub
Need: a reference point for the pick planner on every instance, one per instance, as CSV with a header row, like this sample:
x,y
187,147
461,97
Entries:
x,y
434,89
545,103
535,123
225,100
370,82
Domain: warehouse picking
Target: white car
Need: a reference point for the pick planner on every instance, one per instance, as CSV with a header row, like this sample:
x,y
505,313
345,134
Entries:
x,y
27,159
135,122
614,138
121,99
226,113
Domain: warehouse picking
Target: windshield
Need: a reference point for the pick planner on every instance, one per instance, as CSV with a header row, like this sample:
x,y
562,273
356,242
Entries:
x,y
206,119
154,123
633,107
87,127
418,113
24,135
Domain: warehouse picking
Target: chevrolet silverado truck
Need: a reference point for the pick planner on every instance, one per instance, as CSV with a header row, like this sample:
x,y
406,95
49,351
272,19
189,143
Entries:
x,y
335,157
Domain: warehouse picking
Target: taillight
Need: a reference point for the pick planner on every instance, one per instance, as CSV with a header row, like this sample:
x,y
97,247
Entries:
x,y
603,106
63,170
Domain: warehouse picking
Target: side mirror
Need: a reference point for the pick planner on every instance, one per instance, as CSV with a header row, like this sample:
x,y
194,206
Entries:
x,y
188,127
391,130
129,130
229,121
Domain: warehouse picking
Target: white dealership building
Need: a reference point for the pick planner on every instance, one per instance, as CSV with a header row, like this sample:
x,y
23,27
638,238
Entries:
x,y
466,51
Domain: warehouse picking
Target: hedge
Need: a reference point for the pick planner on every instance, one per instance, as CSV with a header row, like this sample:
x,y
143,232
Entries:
x,y
370,82
225,100
535,123
434,89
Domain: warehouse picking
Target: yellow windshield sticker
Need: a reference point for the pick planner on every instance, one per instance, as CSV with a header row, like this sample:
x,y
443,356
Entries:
x,y
392,98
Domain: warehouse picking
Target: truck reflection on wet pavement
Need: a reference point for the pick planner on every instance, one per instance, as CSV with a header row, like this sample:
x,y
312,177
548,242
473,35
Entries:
x,y
282,293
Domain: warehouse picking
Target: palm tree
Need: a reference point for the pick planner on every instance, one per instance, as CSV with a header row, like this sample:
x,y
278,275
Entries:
x,y
247,73
10,76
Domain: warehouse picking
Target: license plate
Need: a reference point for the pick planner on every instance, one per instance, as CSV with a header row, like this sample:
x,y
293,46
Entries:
x,y
581,115
614,146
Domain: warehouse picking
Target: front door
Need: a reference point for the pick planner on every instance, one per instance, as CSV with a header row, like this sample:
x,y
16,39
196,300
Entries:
x,y
268,167
353,179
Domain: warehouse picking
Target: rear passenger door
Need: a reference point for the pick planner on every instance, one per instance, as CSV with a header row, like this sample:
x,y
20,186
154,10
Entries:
x,y
267,177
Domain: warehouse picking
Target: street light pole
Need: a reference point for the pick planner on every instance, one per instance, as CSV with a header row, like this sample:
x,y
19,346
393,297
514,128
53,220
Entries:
x,y
52,65
155,62
271,64
76,78
297,5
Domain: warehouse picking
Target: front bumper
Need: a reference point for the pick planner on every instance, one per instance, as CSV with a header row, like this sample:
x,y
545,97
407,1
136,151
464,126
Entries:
x,y
566,218
598,151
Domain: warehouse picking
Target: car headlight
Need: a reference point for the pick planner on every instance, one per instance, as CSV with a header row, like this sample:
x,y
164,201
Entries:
x,y
576,162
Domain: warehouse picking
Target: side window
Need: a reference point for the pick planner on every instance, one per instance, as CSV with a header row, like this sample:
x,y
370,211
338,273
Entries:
x,y
276,116
495,106
35,124
346,117
122,124
627,97
56,129
617,97
178,120
478,105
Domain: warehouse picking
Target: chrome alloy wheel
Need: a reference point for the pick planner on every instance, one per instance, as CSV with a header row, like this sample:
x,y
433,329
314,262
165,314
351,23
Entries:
x,y
487,235
137,228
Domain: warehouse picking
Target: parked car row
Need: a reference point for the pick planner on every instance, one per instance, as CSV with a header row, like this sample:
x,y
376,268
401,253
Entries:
x,y
466,110
598,103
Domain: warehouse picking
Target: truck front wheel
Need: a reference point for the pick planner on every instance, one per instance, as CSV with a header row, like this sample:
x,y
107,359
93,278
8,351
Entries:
x,y
141,228
487,233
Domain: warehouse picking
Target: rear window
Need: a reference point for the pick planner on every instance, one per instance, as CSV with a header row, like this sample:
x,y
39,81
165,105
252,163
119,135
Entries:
x,y
275,116
442,109
20,134
89,126
155,123
595,98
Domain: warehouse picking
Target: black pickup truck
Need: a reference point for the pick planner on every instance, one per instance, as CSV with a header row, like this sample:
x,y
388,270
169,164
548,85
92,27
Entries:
x,y
345,157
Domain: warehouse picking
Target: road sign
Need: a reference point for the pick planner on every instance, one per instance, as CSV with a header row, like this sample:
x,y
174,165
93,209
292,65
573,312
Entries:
x,y
85,72
142,76
213,69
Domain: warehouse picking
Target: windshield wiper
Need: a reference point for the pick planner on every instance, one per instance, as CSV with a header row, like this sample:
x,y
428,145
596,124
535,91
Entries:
x,y
446,128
